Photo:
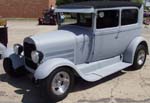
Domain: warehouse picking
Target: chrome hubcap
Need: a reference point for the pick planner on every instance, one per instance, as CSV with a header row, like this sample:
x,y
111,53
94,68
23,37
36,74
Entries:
x,y
60,83
141,57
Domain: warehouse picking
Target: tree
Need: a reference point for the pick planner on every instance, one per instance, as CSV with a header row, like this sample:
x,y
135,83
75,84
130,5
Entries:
x,y
138,1
61,2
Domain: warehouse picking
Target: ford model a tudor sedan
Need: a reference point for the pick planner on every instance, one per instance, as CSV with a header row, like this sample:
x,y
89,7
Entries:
x,y
103,38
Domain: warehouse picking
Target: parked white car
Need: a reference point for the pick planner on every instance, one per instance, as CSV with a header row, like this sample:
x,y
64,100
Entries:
x,y
3,36
104,37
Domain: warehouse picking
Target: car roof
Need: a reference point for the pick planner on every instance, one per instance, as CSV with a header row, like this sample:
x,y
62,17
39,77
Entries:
x,y
100,4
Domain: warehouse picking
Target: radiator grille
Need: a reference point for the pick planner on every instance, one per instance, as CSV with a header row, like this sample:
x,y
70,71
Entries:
x,y
28,48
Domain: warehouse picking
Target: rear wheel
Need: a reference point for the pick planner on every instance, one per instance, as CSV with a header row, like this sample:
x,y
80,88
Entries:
x,y
57,86
8,67
140,57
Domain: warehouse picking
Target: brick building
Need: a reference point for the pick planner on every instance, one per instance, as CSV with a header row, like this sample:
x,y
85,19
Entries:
x,y
24,8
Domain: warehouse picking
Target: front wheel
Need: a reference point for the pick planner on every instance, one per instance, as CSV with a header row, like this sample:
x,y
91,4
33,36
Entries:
x,y
140,57
57,86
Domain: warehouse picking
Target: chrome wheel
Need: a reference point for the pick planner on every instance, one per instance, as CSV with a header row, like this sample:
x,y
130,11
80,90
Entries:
x,y
60,83
141,57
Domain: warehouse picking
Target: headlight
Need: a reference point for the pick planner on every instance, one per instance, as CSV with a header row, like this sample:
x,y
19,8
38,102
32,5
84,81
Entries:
x,y
36,56
18,49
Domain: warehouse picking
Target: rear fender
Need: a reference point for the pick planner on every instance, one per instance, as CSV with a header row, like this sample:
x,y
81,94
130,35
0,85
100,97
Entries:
x,y
130,51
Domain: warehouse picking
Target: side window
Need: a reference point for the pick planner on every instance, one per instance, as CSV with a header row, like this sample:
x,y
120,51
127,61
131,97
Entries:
x,y
129,16
107,19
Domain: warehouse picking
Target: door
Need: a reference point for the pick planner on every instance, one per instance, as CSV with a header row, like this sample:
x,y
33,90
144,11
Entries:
x,y
130,27
106,35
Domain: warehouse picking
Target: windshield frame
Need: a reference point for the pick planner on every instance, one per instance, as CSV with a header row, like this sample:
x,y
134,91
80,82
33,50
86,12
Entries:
x,y
92,17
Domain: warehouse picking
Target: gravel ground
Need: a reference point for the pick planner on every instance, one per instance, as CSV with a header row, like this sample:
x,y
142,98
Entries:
x,y
121,87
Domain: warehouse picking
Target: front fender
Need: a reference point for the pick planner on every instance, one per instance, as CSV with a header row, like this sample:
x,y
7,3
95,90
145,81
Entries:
x,y
47,67
130,51
2,50
8,52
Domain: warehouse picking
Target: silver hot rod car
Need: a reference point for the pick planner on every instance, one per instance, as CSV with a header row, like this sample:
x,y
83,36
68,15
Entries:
x,y
101,39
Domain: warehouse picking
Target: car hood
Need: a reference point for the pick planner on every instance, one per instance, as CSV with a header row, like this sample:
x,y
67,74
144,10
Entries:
x,y
60,43
56,44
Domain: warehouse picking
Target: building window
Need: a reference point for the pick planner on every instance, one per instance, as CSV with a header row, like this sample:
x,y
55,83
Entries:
x,y
129,16
107,19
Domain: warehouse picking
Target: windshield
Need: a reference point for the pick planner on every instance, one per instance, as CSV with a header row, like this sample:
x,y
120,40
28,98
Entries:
x,y
79,19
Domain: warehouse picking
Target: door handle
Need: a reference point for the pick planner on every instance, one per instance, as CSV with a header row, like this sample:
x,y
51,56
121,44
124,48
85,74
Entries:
x,y
117,36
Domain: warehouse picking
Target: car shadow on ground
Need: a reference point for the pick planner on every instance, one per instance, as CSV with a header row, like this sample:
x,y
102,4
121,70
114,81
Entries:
x,y
31,92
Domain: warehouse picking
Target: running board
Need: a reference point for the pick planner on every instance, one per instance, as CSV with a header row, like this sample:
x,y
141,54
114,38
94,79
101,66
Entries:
x,y
111,69
105,71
